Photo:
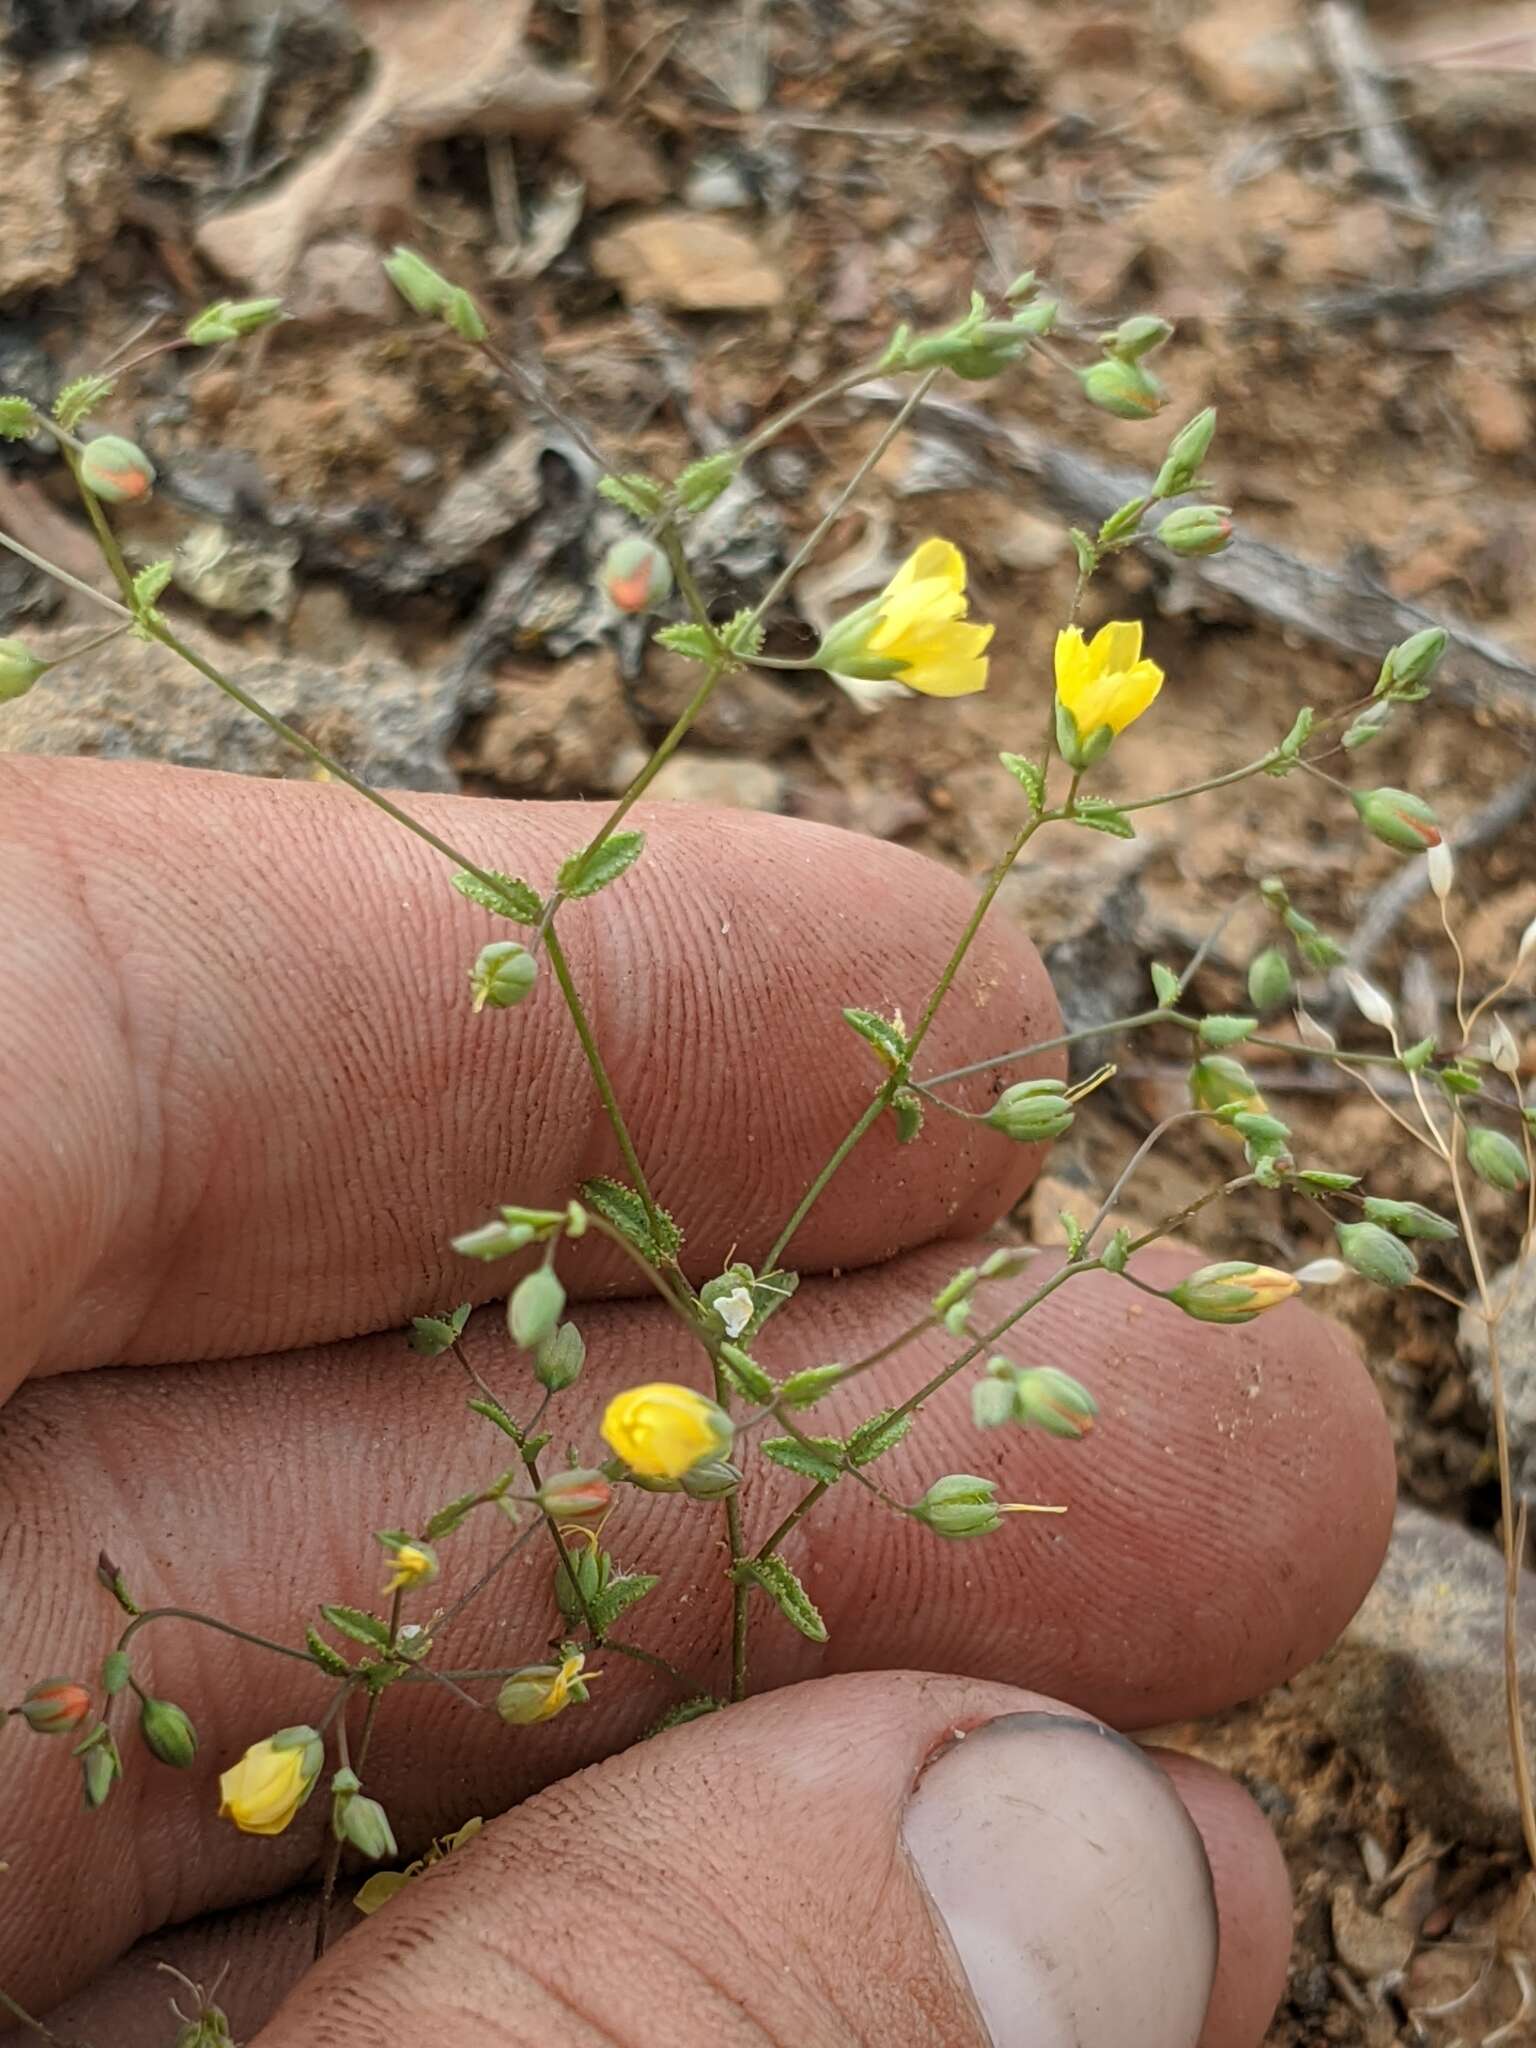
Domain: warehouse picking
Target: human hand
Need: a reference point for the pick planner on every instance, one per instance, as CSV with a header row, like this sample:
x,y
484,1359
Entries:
x,y
246,1113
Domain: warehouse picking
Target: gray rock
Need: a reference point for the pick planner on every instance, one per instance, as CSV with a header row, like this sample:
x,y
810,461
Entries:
x,y
553,729
236,572
341,279
131,701
486,501
748,714
1514,1295
1415,1686
732,780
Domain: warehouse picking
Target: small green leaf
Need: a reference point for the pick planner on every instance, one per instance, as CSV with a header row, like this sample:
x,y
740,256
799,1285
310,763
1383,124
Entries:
x,y
1100,815
1116,1252
1226,1030
779,1582
1165,985
617,1596
804,1389
379,1889
1325,1182
637,493
151,584
115,1667
18,418
743,633
623,1208
1030,777
819,1464
463,315
453,1512
1293,743
702,482
430,1335
1417,1055
872,1439
587,872
887,1038
509,897
1087,554
1077,1237
331,1662
695,642
1123,522
746,1375
685,1711
495,1413
79,398
907,1107
361,1627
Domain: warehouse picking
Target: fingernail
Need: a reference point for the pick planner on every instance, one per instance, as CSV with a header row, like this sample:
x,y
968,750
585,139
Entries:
x,y
1071,1882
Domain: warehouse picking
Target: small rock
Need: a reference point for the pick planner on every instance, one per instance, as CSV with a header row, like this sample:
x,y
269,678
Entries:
x,y
1364,1942
63,172
166,99
486,501
324,626
340,280
1513,1292
1023,540
236,573
748,714
1415,1685
716,185
731,780
386,722
1248,56
688,262
1497,410
553,730
617,165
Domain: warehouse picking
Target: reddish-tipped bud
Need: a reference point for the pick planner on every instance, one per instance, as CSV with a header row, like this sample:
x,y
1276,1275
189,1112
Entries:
x,y
116,470
636,575
54,1706
578,1499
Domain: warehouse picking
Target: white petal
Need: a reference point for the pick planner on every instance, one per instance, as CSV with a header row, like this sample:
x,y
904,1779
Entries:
x,y
1321,1273
1502,1049
1442,869
1369,1000
735,1311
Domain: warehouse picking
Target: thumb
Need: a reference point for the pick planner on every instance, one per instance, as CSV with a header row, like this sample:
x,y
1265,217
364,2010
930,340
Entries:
x,y
890,1859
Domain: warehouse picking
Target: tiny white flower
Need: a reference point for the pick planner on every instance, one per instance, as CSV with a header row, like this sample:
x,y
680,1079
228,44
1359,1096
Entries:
x,y
1369,1000
1502,1049
1442,869
735,1310
1322,1273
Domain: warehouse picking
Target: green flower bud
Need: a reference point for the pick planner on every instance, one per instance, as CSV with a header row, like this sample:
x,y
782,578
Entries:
x,y
1233,1292
713,1479
1269,979
168,1733
116,470
1055,1402
1218,1081
558,1359
636,575
493,1241
1031,1111
502,975
1137,337
1376,1253
1186,451
1409,666
100,1768
228,319
959,1506
1409,1219
363,1822
1006,1263
1398,818
535,1307
955,1290
1496,1159
19,669
1124,389
1197,529
416,281
994,1402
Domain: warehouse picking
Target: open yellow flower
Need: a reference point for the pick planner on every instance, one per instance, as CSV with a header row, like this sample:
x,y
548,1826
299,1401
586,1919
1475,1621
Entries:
x,y
915,631
662,1431
1102,684
540,1691
263,1792
415,1564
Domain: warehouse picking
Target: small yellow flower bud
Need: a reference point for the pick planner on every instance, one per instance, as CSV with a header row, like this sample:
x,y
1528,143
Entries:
x,y
1233,1292
661,1431
265,1789
415,1564
540,1691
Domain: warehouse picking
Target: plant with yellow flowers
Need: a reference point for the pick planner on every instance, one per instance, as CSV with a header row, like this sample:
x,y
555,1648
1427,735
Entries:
x,y
704,1439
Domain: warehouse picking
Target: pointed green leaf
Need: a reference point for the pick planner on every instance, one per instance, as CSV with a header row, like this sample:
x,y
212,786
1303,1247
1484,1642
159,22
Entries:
x,y
1030,777
804,1389
1327,1183
1100,815
779,1582
872,1439
1226,1030
585,873
353,1622
510,897
618,1596
746,1375
819,1464
623,1208
696,643
702,482
1165,985
331,1662
79,398
642,495
695,1709
888,1039
907,1108
18,418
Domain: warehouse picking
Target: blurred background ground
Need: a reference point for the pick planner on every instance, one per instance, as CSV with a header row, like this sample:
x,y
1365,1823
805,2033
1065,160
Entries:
x,y
691,214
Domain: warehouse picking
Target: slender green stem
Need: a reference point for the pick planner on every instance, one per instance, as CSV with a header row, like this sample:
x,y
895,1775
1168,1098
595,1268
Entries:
x,y
1000,1329
664,1664
740,1624
370,1716
1004,1059
1321,775
59,575
106,539
562,973
1173,796
772,428
796,1514
33,2025
450,1615
813,1193
224,1628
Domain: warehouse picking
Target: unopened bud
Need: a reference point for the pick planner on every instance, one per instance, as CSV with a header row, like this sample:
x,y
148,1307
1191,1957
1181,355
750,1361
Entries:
x,y
502,975
959,1505
636,575
1376,1253
19,669
493,1241
1442,869
1187,450
54,1706
1234,1291
994,1401
714,1479
361,1821
1269,979
1031,1111
1124,389
1137,337
1218,1082
1374,1006
955,1290
1496,1159
1398,818
1409,666
1197,529
1502,1049
1055,1402
416,281
168,1733
558,1359
100,1768
576,1499
116,470
534,1307
229,319
1409,1219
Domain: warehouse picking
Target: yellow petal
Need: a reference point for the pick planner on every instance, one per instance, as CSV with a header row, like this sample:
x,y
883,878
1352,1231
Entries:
x,y
1136,690
952,665
1074,667
910,611
1116,647
931,559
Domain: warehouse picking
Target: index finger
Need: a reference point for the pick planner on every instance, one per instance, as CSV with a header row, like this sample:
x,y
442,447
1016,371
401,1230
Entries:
x,y
249,1103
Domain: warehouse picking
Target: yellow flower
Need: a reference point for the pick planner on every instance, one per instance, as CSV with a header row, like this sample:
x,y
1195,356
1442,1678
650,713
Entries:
x,y
1234,1292
661,1431
540,1691
415,1565
263,1792
915,630
1102,684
